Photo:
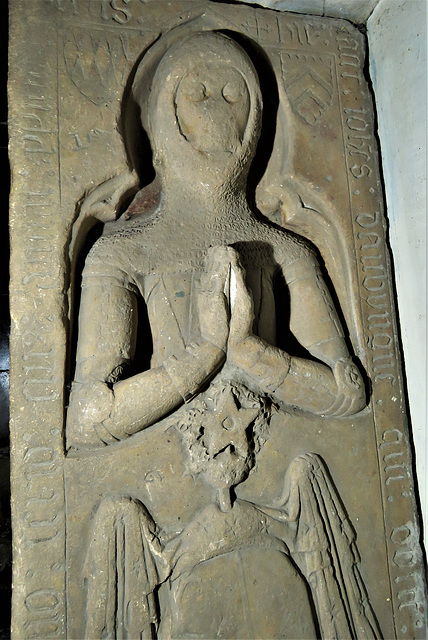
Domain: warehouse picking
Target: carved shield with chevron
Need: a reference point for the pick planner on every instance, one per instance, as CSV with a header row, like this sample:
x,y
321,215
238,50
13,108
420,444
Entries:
x,y
308,81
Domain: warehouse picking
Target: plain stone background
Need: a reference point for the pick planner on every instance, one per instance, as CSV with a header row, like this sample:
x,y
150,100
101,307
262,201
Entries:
x,y
356,10
397,38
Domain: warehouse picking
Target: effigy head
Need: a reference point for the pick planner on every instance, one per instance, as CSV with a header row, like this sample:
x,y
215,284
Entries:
x,y
204,99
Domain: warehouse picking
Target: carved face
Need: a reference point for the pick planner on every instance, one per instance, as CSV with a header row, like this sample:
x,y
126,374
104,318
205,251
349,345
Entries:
x,y
204,98
222,432
212,107
226,443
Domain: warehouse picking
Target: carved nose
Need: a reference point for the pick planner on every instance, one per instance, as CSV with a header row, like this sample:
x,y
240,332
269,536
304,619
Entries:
x,y
217,105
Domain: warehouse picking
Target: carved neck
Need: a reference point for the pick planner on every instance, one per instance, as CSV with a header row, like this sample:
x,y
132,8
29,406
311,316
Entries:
x,y
200,202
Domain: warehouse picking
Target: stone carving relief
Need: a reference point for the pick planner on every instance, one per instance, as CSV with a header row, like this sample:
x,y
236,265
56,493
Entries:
x,y
209,279
206,267
95,74
310,90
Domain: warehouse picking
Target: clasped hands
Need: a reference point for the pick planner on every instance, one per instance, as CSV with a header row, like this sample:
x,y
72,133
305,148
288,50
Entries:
x,y
225,305
226,315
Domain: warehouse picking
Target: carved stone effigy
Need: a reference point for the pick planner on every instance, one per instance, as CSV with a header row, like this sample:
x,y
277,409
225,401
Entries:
x,y
208,421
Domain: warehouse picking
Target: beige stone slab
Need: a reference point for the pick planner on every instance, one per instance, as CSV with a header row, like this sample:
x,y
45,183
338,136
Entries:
x,y
337,434
358,11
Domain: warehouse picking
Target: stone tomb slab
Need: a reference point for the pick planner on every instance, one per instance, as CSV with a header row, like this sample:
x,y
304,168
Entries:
x,y
186,470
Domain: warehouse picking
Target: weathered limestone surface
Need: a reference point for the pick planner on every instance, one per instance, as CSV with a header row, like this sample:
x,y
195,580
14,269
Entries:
x,y
208,423
357,11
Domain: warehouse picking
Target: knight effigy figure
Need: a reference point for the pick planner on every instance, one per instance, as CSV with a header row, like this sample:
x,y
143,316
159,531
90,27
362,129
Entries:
x,y
226,295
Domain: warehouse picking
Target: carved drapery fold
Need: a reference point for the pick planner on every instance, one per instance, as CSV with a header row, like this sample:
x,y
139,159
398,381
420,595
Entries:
x,y
120,572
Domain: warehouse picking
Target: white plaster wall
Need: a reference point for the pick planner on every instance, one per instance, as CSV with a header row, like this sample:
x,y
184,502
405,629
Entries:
x,y
398,68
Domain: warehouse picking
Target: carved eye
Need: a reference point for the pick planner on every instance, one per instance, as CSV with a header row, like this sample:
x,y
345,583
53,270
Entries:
x,y
232,92
196,92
